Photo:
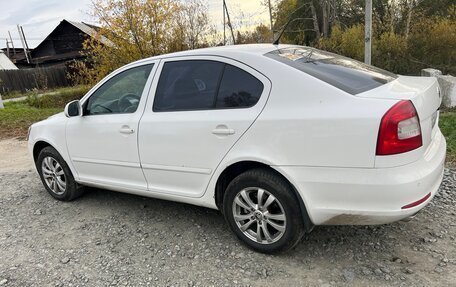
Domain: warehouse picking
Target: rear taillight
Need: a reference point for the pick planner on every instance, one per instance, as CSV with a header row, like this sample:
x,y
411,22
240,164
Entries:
x,y
400,130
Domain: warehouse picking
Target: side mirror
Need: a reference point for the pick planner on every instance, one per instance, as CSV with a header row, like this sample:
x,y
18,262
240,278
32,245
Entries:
x,y
73,109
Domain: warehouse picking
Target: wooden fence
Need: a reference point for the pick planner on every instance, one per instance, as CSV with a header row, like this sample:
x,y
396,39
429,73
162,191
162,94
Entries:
x,y
36,78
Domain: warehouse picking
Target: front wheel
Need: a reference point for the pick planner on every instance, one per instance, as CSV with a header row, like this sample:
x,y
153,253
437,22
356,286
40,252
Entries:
x,y
263,212
56,175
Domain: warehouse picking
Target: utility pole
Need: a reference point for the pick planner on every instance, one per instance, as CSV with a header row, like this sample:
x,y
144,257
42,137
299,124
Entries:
x,y
224,25
270,19
368,33
26,45
7,49
23,44
12,44
229,21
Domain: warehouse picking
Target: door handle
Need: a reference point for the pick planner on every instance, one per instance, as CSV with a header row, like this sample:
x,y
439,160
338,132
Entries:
x,y
223,131
126,130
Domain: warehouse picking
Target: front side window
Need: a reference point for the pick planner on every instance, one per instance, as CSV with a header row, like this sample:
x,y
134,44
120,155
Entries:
x,y
120,94
204,85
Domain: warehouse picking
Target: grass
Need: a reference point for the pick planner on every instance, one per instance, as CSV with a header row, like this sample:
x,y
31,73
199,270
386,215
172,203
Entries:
x,y
16,117
18,94
448,126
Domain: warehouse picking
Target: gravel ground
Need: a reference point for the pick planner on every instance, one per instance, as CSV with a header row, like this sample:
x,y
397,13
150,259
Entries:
x,y
106,238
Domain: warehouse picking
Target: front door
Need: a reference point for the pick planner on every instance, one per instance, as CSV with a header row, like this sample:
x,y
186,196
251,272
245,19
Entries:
x,y
201,107
103,142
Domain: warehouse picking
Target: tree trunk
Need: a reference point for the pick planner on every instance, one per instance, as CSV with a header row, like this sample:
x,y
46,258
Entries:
x,y
270,19
411,4
315,20
408,20
325,6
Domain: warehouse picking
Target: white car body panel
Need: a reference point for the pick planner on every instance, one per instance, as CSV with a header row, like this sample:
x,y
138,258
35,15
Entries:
x,y
337,196
101,153
192,151
320,138
52,132
420,91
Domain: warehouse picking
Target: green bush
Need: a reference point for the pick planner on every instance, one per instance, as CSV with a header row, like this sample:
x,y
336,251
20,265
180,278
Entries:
x,y
349,42
430,44
57,99
390,53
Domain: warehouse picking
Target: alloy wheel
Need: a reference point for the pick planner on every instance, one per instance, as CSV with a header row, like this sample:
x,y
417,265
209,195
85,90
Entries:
x,y
259,215
53,175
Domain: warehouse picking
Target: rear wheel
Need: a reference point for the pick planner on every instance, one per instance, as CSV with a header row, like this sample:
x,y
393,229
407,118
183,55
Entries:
x,y
263,212
56,175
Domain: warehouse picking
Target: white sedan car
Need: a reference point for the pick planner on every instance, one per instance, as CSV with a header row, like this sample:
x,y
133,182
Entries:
x,y
279,138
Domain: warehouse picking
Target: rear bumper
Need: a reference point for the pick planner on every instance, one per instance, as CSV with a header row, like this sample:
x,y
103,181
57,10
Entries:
x,y
359,196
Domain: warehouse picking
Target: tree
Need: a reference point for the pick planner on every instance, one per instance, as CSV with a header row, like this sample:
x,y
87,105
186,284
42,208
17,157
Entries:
x,y
193,23
136,29
261,34
411,5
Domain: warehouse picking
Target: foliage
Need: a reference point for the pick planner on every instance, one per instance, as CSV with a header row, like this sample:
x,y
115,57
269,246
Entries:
x,y
192,26
447,124
261,34
433,44
81,72
390,53
349,43
408,35
133,30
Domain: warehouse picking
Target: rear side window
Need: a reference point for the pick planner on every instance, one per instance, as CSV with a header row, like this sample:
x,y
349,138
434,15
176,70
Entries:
x,y
344,73
238,89
205,85
188,85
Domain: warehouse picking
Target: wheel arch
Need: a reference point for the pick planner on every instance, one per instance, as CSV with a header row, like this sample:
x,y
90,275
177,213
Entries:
x,y
235,169
40,144
38,147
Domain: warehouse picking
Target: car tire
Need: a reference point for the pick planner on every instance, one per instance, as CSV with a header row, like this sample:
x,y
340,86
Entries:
x,y
56,175
277,217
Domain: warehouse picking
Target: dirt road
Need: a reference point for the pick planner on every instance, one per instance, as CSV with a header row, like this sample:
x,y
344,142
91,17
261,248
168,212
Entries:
x,y
107,239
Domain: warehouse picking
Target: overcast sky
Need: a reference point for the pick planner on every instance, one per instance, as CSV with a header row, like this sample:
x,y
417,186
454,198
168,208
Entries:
x,y
39,17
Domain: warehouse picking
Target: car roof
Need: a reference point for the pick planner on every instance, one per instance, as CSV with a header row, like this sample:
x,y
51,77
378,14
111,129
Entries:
x,y
227,51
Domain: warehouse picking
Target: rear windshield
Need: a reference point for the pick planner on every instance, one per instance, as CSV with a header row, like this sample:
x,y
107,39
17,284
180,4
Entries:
x,y
344,73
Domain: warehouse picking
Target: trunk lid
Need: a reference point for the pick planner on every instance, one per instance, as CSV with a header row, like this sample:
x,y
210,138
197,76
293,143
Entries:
x,y
423,92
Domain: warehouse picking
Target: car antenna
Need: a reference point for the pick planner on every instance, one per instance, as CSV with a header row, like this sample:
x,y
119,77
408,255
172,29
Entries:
x,y
290,19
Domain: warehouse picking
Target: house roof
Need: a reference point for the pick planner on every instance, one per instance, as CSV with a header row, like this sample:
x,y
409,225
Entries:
x,y
87,29
5,63
90,30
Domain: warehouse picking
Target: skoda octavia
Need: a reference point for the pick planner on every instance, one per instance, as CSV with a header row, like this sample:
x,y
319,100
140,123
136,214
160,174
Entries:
x,y
279,138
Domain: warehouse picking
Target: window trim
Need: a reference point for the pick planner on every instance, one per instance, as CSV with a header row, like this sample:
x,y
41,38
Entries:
x,y
144,96
217,59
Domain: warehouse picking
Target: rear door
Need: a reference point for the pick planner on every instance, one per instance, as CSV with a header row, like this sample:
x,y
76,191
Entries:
x,y
200,107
